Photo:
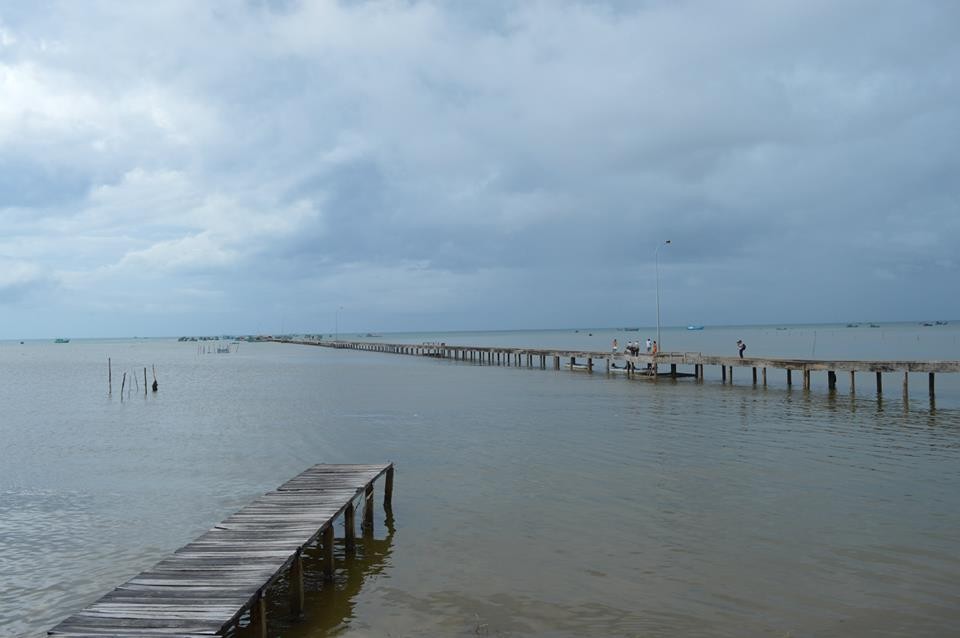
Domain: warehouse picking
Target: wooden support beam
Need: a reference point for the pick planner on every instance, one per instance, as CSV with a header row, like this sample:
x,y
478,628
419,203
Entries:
x,y
327,540
879,383
754,375
388,489
723,372
906,384
258,617
349,526
789,377
764,376
368,508
806,379
556,362
296,584
930,383
831,380
608,365
853,382
673,370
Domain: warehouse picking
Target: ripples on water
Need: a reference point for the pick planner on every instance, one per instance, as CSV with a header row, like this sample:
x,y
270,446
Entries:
x,y
528,502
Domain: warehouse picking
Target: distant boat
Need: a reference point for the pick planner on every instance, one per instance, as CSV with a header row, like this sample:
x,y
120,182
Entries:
x,y
694,327
61,341
941,323
874,325
853,325
631,329
926,323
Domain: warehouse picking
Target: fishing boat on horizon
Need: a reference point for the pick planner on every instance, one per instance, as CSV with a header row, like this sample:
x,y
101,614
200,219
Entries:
x,y
693,327
61,340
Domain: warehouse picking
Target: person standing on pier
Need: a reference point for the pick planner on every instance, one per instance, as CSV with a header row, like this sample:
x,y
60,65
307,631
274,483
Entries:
x,y
649,345
741,346
616,346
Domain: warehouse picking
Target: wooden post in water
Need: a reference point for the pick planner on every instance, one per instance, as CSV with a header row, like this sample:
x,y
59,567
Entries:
x,y
930,383
296,584
853,382
723,372
144,381
258,616
673,370
754,375
327,540
388,489
764,377
123,385
349,526
368,509
906,383
789,377
608,365
831,380
109,377
806,379
556,362
879,383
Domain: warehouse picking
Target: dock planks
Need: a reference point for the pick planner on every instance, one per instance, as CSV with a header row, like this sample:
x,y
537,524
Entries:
x,y
205,586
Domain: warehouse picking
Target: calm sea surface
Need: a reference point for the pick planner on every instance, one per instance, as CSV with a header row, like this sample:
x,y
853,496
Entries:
x,y
527,501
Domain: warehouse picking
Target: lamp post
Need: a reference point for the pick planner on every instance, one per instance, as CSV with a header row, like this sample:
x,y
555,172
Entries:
x,y
336,328
656,259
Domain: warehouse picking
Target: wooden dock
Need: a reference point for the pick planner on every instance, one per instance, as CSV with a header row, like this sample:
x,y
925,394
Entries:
x,y
664,364
207,586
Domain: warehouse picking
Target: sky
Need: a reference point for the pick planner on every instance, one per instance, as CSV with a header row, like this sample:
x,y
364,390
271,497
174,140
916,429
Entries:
x,y
180,167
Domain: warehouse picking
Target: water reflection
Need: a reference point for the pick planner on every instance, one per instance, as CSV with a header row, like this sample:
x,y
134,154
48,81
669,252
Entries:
x,y
329,606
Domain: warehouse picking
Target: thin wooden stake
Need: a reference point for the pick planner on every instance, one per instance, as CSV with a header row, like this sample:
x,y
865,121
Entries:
x,y
109,377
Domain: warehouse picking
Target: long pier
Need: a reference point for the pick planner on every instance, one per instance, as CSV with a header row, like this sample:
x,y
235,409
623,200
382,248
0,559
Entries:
x,y
207,586
664,364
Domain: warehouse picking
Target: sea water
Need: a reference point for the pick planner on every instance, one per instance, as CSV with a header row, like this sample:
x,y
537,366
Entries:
x,y
527,501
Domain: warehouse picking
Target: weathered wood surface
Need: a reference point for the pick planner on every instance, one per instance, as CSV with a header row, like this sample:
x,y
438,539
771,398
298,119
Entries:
x,y
206,585
641,360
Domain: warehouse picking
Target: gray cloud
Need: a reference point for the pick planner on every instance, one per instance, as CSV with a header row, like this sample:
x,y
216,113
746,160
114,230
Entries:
x,y
415,160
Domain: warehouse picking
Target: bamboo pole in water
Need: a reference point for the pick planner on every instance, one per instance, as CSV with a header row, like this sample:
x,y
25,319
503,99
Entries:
x,y
109,378
144,380
122,385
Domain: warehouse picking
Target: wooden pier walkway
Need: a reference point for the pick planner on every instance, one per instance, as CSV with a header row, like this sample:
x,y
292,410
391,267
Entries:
x,y
205,587
664,364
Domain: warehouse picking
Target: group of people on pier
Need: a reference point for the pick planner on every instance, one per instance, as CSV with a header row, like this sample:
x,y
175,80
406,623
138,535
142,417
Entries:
x,y
633,347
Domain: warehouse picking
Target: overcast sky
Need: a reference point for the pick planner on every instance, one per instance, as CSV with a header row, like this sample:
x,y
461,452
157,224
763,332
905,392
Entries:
x,y
190,167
